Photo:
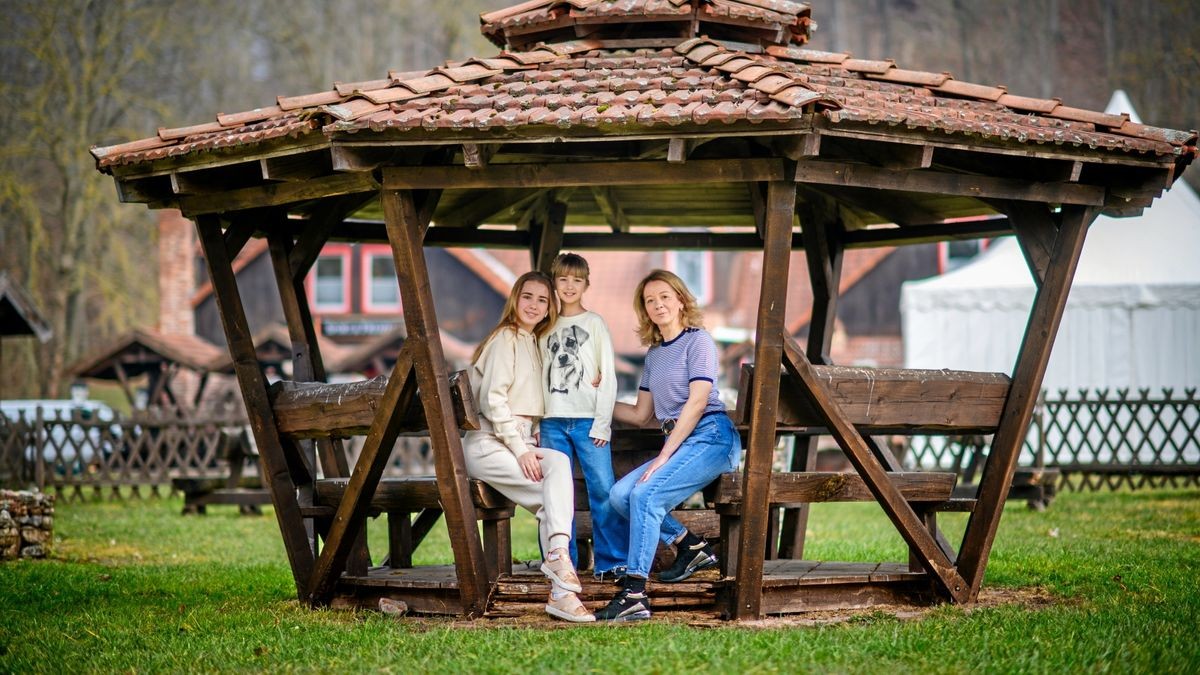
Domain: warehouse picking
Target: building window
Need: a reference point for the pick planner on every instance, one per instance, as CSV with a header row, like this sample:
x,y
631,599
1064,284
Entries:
x,y
329,282
695,268
381,290
954,254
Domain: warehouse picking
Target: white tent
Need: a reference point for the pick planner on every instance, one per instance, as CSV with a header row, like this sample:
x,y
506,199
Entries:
x,y
1132,318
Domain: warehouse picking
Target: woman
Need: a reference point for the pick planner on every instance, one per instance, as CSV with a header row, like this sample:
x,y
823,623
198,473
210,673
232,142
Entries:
x,y
679,389
506,381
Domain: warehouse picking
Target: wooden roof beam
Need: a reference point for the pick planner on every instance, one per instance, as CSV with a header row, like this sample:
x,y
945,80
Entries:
x,y
611,208
301,166
277,194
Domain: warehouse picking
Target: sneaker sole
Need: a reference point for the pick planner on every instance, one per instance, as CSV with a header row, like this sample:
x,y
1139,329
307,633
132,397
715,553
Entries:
x,y
690,570
640,615
565,616
574,588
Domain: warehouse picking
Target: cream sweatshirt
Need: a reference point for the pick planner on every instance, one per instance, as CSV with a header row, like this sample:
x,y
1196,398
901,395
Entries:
x,y
505,383
573,352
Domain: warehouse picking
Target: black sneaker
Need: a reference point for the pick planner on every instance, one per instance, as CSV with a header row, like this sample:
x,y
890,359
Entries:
x,y
626,606
614,576
688,561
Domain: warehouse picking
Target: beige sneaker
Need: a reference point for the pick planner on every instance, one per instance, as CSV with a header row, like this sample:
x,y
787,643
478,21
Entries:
x,y
562,571
569,608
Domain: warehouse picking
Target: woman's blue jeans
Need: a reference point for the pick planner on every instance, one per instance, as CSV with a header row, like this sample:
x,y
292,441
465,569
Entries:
x,y
712,449
610,531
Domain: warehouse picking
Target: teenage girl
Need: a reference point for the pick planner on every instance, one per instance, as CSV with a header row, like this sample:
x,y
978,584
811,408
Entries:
x,y
506,381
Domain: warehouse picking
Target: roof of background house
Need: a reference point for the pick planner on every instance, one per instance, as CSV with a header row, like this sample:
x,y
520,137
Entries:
x,y
18,314
147,349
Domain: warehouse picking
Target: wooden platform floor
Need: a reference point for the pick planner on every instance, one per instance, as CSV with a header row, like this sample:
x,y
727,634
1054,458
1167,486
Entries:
x,y
789,586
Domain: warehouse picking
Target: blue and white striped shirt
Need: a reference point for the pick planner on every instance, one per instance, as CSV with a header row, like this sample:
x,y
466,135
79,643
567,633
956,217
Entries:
x,y
672,366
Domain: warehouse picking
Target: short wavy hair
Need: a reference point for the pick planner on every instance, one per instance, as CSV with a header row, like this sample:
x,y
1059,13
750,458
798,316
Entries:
x,y
647,330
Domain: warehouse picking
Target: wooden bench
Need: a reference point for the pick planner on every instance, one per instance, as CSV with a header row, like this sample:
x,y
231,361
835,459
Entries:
x,y
231,485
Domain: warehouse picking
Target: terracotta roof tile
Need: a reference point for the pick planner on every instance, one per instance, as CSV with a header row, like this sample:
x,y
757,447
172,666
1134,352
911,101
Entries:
x,y
577,84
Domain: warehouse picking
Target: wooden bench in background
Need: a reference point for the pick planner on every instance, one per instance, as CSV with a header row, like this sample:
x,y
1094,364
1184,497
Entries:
x,y
229,483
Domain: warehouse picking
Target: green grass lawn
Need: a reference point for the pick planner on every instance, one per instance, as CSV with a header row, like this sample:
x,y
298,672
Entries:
x,y
137,587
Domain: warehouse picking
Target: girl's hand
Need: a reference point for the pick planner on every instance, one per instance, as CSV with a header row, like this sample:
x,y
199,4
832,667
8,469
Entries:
x,y
654,466
537,438
599,442
531,465
596,382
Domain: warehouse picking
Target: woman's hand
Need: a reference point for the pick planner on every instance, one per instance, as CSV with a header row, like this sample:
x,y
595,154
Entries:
x,y
531,465
654,466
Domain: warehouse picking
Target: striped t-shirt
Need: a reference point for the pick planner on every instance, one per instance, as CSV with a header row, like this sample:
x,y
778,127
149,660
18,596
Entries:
x,y
672,366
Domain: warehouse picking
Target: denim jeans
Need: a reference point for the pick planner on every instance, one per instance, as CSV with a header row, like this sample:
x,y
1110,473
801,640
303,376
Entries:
x,y
712,449
610,530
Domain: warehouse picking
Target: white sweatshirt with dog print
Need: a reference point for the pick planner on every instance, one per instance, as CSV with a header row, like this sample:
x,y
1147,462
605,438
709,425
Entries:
x,y
573,352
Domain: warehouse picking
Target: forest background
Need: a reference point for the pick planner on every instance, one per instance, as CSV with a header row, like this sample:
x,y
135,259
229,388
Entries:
x,y
78,73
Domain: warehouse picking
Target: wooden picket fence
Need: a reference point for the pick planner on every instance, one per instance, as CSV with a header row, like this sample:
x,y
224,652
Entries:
x,y
1097,439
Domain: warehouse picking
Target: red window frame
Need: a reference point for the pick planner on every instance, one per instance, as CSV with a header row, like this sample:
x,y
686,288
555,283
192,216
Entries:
x,y
366,254
331,251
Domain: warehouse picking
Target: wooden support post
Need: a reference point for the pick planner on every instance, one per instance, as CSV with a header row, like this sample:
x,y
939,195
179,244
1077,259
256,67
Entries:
x,y
768,353
406,230
351,512
281,476
1035,230
308,366
1044,319
546,232
923,544
823,250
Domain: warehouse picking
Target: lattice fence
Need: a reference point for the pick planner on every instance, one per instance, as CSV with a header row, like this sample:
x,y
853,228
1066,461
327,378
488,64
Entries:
x,y
1098,439
126,457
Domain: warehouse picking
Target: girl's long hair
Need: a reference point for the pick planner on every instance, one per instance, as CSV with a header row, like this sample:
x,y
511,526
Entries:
x,y
508,316
647,330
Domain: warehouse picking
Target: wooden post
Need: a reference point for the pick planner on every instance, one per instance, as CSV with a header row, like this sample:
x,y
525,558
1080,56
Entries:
x,y
406,226
280,474
823,249
308,366
768,355
1030,368
546,230
922,543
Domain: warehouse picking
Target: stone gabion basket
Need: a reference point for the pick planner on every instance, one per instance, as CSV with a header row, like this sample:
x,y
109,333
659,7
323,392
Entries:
x,y
26,524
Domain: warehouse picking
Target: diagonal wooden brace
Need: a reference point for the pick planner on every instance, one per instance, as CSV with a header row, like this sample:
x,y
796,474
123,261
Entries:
x,y
352,511
922,543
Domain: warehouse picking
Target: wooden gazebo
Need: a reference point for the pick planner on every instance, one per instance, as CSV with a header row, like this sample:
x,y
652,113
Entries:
x,y
160,357
674,124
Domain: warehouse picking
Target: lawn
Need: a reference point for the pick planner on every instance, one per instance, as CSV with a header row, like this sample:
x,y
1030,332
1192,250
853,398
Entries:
x,y
1098,582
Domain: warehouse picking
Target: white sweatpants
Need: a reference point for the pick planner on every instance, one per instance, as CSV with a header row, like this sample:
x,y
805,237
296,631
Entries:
x,y
552,500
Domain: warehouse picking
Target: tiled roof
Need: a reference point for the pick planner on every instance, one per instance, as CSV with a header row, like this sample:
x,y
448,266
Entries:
x,y
544,15
581,88
188,351
18,313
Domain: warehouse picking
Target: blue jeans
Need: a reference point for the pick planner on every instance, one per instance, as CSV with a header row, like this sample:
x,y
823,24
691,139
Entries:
x,y
610,531
712,449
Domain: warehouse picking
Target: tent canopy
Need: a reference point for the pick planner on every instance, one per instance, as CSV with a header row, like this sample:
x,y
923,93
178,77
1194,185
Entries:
x,y
1133,318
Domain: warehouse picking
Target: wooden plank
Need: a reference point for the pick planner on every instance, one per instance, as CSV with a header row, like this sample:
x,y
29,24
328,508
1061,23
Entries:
x,y
768,352
477,155
920,540
411,493
237,234
279,474
584,174
823,251
833,486
481,207
607,203
406,231
352,510
1032,359
934,182
301,166
319,410
547,236
1036,230
277,194
893,400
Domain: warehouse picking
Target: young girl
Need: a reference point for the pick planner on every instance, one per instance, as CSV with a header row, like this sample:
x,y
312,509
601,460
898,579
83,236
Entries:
x,y
506,381
679,389
578,421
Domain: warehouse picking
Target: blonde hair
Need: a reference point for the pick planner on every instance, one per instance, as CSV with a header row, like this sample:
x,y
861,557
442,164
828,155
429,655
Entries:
x,y
570,263
647,330
508,316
